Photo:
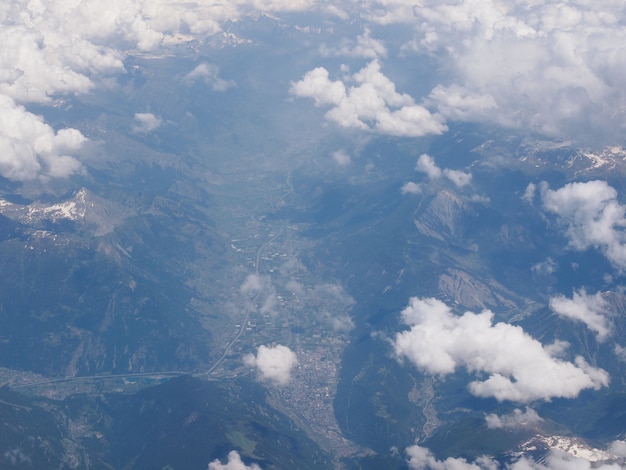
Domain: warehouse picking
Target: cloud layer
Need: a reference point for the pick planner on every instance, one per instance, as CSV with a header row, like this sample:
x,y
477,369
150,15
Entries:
x,y
273,363
516,364
549,67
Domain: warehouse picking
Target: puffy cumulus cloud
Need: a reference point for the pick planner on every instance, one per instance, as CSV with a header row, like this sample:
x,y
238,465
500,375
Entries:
x,y
592,310
209,74
411,188
364,47
31,149
234,463
146,122
421,458
426,164
516,364
371,104
592,217
550,67
273,363
517,418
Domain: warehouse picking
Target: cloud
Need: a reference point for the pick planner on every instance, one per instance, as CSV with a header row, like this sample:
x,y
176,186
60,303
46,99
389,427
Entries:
x,y
592,217
31,149
547,67
620,352
529,193
365,47
618,448
209,74
411,188
426,164
517,418
146,122
372,104
260,288
253,283
341,158
340,323
546,268
557,460
516,364
421,458
592,310
234,463
273,363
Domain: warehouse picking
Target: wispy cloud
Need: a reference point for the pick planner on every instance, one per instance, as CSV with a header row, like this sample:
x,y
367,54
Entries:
x,y
517,418
209,74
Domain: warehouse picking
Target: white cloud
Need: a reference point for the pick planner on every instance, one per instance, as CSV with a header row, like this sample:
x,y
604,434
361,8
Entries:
x,y
547,267
426,164
260,288
592,216
31,149
234,463
529,193
516,364
341,158
411,188
364,47
459,178
421,458
620,352
340,323
618,448
273,363
517,418
592,310
549,67
209,74
146,122
563,461
371,104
